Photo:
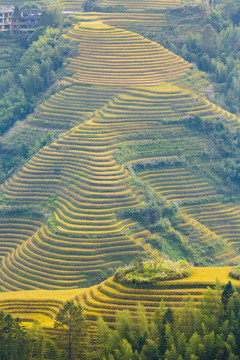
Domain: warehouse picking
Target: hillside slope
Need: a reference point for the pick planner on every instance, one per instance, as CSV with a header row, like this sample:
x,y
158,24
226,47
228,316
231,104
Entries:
x,y
132,175
109,296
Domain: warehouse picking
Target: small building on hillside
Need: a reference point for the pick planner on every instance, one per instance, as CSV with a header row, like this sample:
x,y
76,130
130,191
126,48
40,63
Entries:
x,y
6,15
27,20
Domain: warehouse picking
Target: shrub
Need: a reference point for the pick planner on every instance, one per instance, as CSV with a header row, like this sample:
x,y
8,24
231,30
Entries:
x,y
152,271
235,272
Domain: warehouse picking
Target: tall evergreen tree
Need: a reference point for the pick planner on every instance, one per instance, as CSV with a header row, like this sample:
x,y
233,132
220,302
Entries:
x,y
72,324
227,293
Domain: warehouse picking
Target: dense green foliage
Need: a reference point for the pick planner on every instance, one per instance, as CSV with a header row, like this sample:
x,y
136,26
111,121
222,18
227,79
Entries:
x,y
152,271
18,145
29,77
13,105
157,215
11,50
209,37
17,342
155,212
225,139
35,71
208,332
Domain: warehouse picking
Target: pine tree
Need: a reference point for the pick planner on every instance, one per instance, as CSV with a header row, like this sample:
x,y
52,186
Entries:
x,y
142,321
124,325
38,340
141,327
14,341
169,339
181,344
150,351
72,324
168,316
157,326
195,347
209,342
125,351
171,354
208,41
227,293
103,337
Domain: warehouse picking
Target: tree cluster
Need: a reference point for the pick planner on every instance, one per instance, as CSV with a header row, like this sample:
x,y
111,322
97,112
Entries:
x,y
210,331
19,343
211,40
34,72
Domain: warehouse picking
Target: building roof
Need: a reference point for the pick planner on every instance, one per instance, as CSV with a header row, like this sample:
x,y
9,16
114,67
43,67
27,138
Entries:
x,y
6,8
30,12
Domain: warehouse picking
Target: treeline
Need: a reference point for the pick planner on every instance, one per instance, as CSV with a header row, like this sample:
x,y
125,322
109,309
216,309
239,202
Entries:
x,y
212,41
226,141
19,343
94,6
35,71
208,332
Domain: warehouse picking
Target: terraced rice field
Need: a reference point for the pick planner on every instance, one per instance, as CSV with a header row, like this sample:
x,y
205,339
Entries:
x,y
221,219
212,220
211,244
142,5
71,5
112,56
13,232
36,305
160,103
84,235
80,169
77,102
178,184
124,90
109,296
129,21
71,106
196,83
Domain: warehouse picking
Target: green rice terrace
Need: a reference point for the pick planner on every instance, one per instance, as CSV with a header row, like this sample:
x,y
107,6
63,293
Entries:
x,y
136,170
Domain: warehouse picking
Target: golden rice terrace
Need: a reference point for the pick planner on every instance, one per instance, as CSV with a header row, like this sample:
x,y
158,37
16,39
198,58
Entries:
x,y
122,112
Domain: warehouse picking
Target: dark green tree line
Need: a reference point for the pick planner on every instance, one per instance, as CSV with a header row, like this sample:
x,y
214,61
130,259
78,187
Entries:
x,y
209,331
35,71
